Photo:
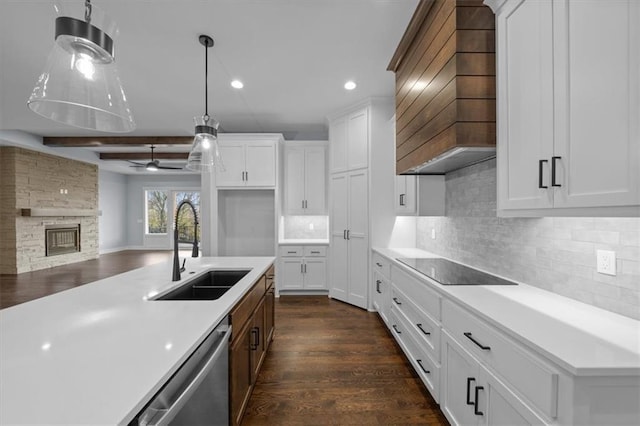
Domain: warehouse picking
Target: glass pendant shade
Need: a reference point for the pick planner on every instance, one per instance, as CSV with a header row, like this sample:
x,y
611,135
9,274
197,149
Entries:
x,y
205,153
80,85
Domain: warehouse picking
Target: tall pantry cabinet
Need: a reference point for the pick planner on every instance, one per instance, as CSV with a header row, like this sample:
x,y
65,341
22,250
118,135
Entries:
x,y
357,136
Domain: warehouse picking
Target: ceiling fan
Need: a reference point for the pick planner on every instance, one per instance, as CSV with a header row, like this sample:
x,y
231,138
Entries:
x,y
153,165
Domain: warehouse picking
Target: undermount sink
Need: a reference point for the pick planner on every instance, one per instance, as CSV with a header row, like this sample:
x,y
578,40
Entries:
x,y
210,286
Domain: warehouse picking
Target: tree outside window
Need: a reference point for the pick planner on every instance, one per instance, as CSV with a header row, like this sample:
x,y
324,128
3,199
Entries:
x,y
185,224
156,212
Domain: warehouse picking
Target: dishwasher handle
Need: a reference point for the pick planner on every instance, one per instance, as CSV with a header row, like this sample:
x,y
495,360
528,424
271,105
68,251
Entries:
x,y
164,415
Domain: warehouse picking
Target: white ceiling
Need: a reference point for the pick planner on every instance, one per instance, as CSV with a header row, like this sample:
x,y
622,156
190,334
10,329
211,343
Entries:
x,y
293,56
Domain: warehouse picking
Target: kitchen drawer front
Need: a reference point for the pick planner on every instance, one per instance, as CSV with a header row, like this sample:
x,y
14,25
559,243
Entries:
x,y
244,309
291,251
382,265
315,251
521,369
426,329
428,370
418,291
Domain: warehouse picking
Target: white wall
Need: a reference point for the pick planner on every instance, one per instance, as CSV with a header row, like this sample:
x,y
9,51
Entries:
x,y
136,186
112,206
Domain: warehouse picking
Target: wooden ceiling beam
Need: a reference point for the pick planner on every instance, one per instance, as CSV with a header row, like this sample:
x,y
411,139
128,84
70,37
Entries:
x,y
88,142
143,155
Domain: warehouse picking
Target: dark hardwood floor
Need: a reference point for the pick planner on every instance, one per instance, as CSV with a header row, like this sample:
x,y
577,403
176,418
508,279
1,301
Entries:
x,y
15,289
333,364
329,364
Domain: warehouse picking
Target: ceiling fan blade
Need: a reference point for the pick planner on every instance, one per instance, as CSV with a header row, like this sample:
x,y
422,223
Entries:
x,y
170,168
136,164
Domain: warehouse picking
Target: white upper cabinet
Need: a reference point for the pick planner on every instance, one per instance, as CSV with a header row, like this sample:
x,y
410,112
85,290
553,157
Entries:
x,y
405,200
305,180
349,137
248,163
568,107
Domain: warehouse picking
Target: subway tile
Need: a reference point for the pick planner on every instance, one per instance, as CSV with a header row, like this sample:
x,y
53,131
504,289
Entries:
x,y
606,237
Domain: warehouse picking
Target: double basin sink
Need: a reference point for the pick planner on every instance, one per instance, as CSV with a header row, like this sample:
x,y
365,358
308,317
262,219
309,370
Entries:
x,y
210,286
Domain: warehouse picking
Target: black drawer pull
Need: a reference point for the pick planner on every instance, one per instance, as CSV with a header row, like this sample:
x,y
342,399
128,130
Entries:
x,y
475,403
379,265
469,380
378,282
422,329
315,252
254,333
419,361
395,299
292,252
540,166
396,329
553,171
480,345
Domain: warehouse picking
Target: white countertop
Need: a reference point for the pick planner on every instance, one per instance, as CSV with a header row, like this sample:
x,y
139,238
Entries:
x,y
583,339
95,354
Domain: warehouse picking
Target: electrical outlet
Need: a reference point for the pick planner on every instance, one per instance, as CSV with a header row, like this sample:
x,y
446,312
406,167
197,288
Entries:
x,y
433,233
606,262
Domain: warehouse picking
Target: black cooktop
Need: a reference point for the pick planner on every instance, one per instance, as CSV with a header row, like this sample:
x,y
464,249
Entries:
x,y
447,272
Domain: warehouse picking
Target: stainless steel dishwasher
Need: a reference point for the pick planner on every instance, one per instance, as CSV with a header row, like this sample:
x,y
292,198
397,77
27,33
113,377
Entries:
x,y
198,393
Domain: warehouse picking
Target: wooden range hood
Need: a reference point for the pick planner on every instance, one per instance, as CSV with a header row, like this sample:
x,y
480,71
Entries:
x,y
445,87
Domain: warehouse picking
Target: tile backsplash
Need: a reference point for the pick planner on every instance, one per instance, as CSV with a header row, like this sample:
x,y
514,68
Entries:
x,y
305,227
556,254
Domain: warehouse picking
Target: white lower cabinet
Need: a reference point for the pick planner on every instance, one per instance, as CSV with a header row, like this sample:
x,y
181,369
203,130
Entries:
x,y
303,268
471,395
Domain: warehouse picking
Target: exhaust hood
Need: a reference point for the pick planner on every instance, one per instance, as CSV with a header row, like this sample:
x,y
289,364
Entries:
x,y
445,87
453,159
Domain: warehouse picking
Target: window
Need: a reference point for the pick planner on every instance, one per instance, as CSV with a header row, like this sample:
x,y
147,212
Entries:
x,y
156,211
185,225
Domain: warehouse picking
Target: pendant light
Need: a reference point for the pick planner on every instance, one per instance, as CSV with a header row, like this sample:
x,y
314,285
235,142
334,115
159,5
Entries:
x,y
80,85
205,154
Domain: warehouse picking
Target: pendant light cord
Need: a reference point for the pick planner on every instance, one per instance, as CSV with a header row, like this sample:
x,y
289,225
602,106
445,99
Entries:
x,y
206,80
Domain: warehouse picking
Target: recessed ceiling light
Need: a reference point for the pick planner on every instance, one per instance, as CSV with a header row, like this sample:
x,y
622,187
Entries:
x,y
350,85
237,84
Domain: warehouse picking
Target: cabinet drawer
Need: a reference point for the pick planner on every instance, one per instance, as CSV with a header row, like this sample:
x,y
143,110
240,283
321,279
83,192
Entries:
x,y
315,251
291,251
244,309
382,265
520,368
418,291
425,328
428,370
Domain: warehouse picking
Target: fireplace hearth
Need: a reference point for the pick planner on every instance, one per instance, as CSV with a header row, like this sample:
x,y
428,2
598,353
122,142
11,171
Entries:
x,y
62,239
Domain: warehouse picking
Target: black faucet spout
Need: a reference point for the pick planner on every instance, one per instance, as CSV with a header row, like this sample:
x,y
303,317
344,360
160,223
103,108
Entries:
x,y
175,276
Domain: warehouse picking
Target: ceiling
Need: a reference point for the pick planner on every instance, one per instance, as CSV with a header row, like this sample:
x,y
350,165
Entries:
x,y
293,57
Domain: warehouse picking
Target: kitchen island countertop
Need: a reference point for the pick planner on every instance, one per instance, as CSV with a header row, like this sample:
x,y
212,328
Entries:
x,y
583,339
97,353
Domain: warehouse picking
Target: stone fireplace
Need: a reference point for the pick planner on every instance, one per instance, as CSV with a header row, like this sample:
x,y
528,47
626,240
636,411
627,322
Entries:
x,y
61,239
40,193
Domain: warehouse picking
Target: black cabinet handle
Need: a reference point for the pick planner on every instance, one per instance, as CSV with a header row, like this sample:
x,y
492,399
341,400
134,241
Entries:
x,y
378,286
422,366
344,234
395,299
247,175
402,199
305,268
348,234
256,338
469,380
422,329
480,345
553,171
291,252
315,252
475,403
379,265
396,329
540,167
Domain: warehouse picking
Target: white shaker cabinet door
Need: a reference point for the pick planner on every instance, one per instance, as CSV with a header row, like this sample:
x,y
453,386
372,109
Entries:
x,y
525,104
314,179
358,139
315,274
597,101
338,139
234,166
459,379
294,181
339,250
358,238
292,277
260,164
